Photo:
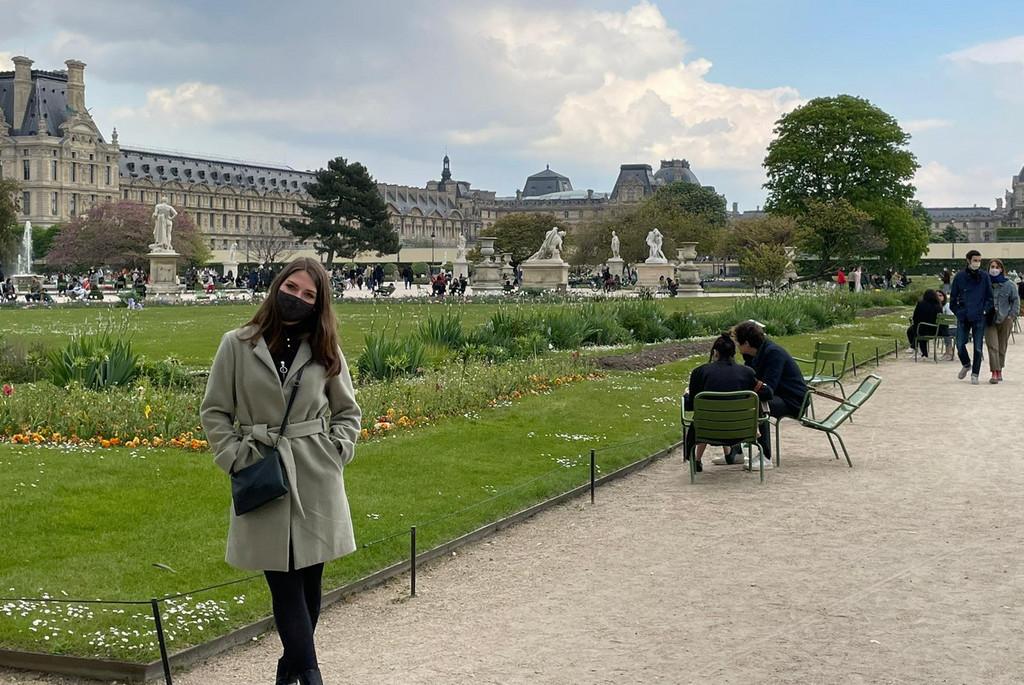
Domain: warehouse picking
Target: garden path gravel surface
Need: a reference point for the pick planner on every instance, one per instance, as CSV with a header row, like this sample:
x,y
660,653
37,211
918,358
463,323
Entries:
x,y
905,569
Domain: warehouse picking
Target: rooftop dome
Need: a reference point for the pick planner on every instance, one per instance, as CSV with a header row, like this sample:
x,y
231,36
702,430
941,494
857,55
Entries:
x,y
673,170
546,182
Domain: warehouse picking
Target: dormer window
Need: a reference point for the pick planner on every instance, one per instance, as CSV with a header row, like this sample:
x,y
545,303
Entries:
x,y
202,174
145,168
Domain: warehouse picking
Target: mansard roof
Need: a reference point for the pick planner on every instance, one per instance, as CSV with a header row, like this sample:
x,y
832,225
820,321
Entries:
x,y
47,104
138,163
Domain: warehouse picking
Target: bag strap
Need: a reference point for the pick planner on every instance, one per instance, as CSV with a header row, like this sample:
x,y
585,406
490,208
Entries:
x,y
291,401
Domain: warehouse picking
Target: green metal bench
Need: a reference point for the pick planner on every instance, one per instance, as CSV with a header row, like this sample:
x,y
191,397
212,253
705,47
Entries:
x,y
723,419
844,411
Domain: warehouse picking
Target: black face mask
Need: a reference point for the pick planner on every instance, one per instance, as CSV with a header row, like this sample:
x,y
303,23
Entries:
x,y
292,308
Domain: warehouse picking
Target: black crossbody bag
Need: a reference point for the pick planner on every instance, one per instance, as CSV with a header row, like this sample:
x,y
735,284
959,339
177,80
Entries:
x,y
266,480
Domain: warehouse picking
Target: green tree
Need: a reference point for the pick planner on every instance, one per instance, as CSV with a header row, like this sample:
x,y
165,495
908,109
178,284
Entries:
x,y
10,205
522,234
903,232
837,233
689,199
950,234
837,148
769,229
42,239
840,155
347,215
764,264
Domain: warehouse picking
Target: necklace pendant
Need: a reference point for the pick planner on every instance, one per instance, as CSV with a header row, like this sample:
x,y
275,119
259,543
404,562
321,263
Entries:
x,y
283,369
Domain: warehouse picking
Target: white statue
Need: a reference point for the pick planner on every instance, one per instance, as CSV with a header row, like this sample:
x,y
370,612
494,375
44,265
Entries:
x,y
164,214
615,246
654,241
460,249
549,249
231,253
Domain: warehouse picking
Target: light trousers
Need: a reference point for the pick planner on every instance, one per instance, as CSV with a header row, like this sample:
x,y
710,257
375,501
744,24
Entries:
x,y
996,338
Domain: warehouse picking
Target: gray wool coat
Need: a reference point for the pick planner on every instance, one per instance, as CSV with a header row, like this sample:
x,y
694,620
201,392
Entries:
x,y
244,404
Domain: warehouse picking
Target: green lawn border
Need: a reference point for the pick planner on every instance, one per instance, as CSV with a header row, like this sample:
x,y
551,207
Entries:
x,y
134,672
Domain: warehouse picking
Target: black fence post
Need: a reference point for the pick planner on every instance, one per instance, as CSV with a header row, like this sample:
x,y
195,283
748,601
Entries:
x,y
854,358
160,638
876,355
412,561
593,473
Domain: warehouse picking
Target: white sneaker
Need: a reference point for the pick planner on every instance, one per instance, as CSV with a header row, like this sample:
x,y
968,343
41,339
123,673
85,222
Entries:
x,y
964,370
755,464
720,460
974,379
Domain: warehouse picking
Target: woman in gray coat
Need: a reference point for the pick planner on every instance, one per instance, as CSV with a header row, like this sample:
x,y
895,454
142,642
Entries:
x,y
1006,307
253,374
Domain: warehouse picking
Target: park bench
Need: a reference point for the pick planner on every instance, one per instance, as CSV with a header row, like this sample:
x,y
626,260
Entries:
x,y
723,419
385,290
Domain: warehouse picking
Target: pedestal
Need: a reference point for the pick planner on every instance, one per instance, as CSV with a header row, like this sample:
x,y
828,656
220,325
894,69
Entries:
x,y
163,275
688,273
545,274
229,266
460,268
650,275
487,278
616,266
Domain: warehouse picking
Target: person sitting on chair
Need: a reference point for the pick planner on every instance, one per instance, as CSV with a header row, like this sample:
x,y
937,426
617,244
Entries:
x,y
775,367
927,311
722,374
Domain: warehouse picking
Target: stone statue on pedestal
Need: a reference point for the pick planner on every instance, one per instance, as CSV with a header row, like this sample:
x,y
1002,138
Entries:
x,y
654,242
231,252
615,245
164,215
460,248
549,249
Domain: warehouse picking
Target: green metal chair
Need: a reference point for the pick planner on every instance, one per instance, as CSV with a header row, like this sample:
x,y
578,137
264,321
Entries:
x,y
723,418
844,410
828,365
929,332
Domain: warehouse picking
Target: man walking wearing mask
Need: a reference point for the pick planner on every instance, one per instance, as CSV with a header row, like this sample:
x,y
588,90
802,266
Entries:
x,y
971,299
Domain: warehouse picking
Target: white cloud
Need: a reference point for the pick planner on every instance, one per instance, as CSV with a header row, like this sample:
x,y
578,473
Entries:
x,y
921,125
1009,51
939,186
576,87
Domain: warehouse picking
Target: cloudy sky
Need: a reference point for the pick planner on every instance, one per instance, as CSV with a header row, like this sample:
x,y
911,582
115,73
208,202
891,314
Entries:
x,y
507,87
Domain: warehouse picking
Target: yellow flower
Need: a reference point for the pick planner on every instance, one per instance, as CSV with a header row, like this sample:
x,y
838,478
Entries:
x,y
147,411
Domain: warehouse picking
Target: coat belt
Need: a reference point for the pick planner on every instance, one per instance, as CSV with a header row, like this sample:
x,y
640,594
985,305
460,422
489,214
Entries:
x,y
261,432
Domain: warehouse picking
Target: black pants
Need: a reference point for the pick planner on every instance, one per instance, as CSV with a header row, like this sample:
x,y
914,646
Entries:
x,y
296,598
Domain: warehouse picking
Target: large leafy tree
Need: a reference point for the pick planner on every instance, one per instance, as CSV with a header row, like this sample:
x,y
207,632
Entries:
x,y
346,216
836,156
118,235
522,233
10,195
689,199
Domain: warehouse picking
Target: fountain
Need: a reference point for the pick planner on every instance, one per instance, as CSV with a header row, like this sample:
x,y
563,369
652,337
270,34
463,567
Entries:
x,y
23,274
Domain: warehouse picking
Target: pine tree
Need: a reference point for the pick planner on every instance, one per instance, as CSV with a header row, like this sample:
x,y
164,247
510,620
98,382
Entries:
x,y
346,216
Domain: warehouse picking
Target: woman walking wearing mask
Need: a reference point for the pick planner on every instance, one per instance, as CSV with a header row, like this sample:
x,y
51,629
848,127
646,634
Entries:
x,y
1007,306
284,367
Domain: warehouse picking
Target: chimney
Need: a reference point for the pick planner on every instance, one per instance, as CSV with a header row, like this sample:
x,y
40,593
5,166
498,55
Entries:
x,y
22,88
735,207
590,194
76,85
999,203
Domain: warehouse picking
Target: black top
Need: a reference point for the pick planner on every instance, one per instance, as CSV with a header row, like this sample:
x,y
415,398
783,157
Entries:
x,y
925,312
776,368
294,335
724,375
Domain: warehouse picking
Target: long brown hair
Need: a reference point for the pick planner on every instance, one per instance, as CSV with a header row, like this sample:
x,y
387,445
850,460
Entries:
x,y
323,340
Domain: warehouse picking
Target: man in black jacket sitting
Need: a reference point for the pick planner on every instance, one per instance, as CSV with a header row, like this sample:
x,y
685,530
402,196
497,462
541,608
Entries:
x,y
775,367
722,374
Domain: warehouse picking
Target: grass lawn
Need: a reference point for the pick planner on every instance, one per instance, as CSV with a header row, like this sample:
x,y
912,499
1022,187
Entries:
x,y
191,333
92,524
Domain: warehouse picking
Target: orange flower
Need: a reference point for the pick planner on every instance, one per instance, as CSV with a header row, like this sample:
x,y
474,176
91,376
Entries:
x,y
104,443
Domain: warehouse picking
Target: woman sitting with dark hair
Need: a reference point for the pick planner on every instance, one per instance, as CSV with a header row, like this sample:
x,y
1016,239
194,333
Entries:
x,y
722,374
927,311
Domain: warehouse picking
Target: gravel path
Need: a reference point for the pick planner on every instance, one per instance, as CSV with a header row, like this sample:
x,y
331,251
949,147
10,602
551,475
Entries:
x,y
905,569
